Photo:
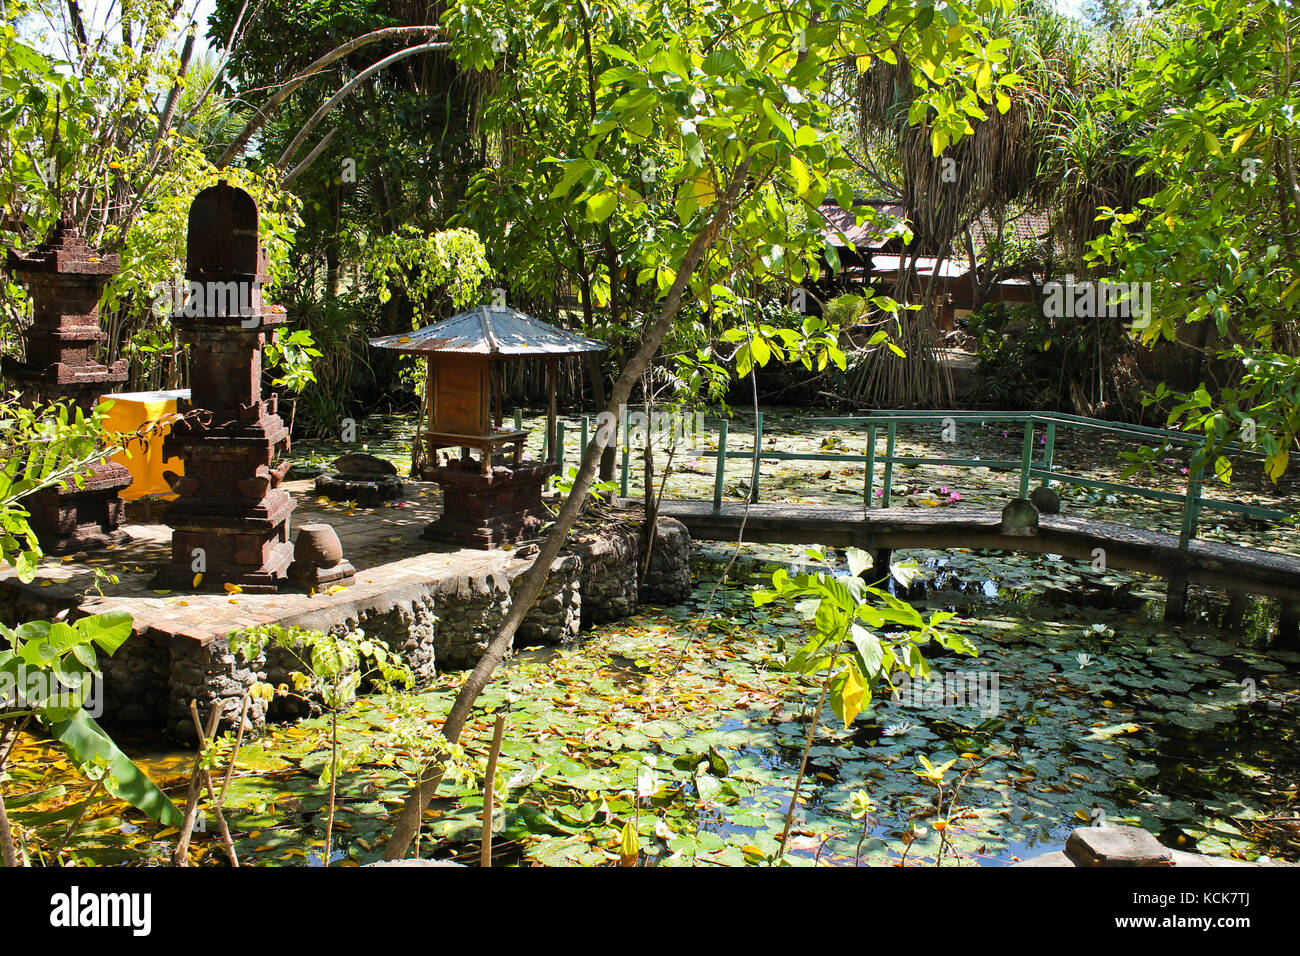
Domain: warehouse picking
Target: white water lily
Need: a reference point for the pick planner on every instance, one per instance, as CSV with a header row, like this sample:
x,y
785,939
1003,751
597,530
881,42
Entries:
x,y
646,784
899,728
1083,659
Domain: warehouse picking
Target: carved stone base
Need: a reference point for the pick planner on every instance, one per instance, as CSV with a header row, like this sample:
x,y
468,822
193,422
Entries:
x,y
241,543
488,511
67,520
267,578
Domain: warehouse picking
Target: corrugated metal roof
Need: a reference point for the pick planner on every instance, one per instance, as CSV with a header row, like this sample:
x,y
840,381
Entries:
x,y
490,330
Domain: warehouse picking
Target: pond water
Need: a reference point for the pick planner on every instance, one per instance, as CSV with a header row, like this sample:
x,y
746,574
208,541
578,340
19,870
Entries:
x,y
1188,730
1082,705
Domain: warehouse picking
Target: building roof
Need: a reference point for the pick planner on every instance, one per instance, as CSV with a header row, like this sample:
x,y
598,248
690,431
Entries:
x,y
490,330
1030,225
842,226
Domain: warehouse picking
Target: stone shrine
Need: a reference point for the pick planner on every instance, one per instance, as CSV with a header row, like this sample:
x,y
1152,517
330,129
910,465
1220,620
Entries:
x,y
65,278
231,519
495,499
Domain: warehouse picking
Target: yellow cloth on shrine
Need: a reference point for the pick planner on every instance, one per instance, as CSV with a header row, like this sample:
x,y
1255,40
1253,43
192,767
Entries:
x,y
143,456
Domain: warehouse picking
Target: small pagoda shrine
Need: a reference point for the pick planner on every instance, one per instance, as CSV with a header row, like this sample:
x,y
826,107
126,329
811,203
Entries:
x,y
231,511
65,278
495,498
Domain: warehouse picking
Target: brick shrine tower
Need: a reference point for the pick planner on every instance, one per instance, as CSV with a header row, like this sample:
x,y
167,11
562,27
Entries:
x,y
231,505
65,278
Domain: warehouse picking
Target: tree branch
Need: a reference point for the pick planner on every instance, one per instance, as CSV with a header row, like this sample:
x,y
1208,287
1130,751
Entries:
x,y
311,70
347,88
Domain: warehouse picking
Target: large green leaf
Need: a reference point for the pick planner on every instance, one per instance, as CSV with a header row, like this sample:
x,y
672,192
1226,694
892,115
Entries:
x,y
85,740
109,630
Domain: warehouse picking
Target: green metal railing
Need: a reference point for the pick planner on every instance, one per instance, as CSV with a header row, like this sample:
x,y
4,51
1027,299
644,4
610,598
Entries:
x,y
1030,467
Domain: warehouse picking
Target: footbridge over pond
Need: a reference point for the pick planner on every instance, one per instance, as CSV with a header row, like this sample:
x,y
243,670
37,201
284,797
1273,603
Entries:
x,y
1182,558
1019,527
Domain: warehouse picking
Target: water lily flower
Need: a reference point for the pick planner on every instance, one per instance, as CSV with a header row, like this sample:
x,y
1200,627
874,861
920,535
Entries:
x,y
899,728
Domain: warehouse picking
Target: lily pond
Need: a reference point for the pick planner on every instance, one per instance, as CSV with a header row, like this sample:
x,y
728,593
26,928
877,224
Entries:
x,y
1082,705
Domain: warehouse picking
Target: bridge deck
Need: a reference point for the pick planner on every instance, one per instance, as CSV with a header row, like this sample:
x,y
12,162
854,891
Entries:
x,y
1210,563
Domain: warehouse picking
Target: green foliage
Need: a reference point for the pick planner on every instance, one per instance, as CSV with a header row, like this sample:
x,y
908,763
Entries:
x,y
331,666
422,265
52,667
85,136
863,635
1028,361
403,144
332,669
614,160
65,651
339,327
600,490
1112,15
90,747
845,310
814,343
40,447
290,355
1218,115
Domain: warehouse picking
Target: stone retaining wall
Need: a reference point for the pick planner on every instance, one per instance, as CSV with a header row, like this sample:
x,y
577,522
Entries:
x,y
609,560
446,622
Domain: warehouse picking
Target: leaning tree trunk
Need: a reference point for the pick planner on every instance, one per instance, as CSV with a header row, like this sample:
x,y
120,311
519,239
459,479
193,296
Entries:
x,y
531,583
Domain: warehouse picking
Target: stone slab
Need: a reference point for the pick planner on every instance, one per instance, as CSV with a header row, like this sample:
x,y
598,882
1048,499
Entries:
x,y
1127,847
1116,846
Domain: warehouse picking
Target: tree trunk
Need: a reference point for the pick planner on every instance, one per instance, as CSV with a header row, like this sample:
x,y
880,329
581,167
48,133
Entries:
x,y
597,377
8,853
